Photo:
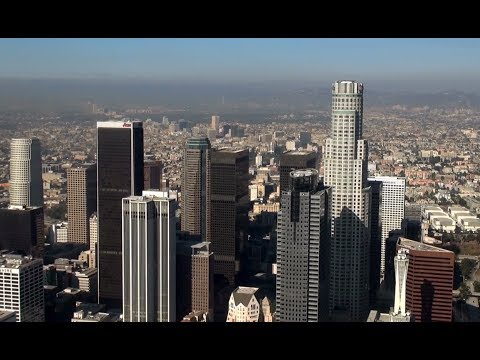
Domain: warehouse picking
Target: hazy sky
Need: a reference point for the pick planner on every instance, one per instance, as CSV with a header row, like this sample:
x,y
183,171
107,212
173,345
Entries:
x,y
410,61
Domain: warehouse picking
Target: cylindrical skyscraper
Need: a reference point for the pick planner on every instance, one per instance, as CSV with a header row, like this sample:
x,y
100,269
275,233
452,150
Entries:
x,y
26,187
346,155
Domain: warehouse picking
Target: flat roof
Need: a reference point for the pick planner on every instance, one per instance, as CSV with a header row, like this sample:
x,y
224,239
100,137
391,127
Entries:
x,y
444,220
230,150
298,152
415,245
120,124
432,207
5,314
11,261
303,172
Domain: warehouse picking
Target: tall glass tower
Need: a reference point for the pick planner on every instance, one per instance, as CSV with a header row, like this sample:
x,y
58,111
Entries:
x,y
303,249
346,154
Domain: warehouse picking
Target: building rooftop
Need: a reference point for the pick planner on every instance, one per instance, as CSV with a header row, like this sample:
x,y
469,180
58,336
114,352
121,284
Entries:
x,y
415,245
11,261
21,207
457,208
119,124
303,172
297,152
432,207
243,294
444,220
6,314
87,271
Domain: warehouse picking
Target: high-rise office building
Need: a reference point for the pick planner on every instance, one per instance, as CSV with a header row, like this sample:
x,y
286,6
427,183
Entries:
x,y
215,124
229,207
392,209
82,202
375,237
202,279
196,188
303,231
149,240
21,229
429,281
21,287
119,175
93,227
345,162
26,186
295,160
304,138
152,175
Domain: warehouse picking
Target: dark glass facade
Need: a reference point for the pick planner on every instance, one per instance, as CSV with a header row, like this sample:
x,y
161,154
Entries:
x,y
375,238
120,174
22,230
229,208
295,160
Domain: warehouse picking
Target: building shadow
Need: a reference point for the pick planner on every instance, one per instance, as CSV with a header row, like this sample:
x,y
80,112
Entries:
x,y
428,291
350,262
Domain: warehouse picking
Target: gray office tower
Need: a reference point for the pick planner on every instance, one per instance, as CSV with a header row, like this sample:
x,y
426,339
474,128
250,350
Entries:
x,y
148,239
346,172
196,188
119,175
26,173
294,160
303,249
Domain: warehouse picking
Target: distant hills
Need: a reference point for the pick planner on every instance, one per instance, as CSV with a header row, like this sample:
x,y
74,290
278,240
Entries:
x,y
50,94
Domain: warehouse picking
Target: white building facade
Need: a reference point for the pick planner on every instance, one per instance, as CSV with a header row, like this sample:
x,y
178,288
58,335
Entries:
x,y
21,287
148,245
392,210
26,185
345,170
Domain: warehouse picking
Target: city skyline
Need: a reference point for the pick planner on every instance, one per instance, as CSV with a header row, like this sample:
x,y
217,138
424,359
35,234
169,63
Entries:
x,y
280,219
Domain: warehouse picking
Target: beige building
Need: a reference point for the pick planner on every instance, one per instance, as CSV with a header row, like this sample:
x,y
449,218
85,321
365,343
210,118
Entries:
x,y
82,201
244,305
269,207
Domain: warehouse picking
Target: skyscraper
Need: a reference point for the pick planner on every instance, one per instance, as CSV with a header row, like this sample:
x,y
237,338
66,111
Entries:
x,y
82,201
202,279
429,282
119,175
26,187
196,188
392,209
229,207
21,229
346,155
303,243
21,287
375,237
152,174
149,240
215,124
294,160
